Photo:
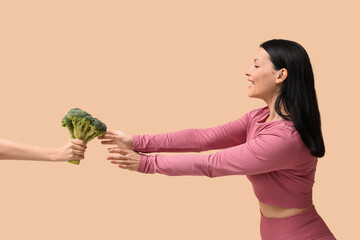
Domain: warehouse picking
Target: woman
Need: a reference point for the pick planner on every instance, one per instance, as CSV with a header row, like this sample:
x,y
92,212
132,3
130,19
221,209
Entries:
x,y
276,146
11,150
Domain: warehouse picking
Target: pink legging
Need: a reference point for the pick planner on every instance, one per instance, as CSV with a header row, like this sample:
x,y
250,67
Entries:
x,y
306,225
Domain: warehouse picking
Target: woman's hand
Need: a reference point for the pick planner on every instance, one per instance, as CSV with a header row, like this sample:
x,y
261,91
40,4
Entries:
x,y
74,149
122,140
125,158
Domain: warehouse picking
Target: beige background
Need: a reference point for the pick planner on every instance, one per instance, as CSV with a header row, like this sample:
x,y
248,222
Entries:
x,y
147,67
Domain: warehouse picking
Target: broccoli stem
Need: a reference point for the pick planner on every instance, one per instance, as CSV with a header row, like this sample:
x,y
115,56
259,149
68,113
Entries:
x,y
76,162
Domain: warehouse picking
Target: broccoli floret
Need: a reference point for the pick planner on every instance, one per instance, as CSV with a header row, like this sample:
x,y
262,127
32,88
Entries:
x,y
81,123
67,123
97,128
82,126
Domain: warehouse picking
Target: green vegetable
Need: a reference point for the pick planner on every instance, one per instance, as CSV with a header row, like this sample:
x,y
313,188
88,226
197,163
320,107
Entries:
x,y
82,126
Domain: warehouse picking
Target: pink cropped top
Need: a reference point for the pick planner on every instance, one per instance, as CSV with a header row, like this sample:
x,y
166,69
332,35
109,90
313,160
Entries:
x,y
272,155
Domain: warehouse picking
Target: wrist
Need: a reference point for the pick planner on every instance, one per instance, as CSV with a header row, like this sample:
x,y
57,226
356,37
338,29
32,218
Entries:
x,y
54,155
128,141
131,142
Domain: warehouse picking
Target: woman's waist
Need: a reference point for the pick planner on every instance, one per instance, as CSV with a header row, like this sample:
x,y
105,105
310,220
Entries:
x,y
270,211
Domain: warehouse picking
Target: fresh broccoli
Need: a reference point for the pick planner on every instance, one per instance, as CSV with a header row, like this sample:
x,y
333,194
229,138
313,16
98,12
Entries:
x,y
82,126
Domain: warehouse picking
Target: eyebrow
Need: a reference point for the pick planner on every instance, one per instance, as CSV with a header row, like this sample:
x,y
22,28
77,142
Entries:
x,y
257,59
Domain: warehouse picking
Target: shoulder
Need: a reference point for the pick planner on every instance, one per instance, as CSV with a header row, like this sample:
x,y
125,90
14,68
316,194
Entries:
x,y
280,140
283,129
287,139
258,113
280,133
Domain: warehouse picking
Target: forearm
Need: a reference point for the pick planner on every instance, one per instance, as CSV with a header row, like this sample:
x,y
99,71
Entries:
x,y
175,165
18,151
188,140
193,140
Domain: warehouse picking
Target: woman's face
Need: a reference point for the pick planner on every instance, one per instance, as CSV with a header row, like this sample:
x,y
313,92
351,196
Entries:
x,y
263,78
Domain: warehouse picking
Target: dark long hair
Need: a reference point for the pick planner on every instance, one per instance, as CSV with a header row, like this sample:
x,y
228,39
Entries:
x,y
297,95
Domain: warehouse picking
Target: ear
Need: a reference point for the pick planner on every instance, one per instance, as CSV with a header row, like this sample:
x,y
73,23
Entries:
x,y
281,75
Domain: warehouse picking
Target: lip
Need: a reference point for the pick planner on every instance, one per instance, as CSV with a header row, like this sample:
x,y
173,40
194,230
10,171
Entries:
x,y
251,84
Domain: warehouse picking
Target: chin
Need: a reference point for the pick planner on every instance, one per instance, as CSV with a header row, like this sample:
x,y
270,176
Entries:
x,y
254,96
251,95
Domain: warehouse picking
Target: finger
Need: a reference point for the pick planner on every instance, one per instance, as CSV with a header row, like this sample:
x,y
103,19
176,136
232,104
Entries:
x,y
123,157
108,136
101,137
78,157
117,157
123,162
112,148
79,147
108,142
123,166
120,150
78,152
79,142
128,167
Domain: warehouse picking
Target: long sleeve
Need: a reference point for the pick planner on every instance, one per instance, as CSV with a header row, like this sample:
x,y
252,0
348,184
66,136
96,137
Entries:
x,y
194,140
269,151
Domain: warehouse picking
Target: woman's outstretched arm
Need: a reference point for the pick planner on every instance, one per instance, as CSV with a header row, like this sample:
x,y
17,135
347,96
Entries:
x,y
11,150
189,140
268,152
193,140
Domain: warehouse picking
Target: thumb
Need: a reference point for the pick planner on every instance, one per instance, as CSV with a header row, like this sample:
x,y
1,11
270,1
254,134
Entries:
x,y
120,150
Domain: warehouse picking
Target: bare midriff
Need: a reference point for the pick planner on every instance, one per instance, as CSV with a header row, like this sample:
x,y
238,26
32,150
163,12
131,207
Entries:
x,y
279,212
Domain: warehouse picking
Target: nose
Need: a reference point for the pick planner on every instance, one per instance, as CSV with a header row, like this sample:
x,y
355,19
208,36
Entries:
x,y
248,73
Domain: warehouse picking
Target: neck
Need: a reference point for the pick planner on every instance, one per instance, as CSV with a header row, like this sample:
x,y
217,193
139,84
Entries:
x,y
273,116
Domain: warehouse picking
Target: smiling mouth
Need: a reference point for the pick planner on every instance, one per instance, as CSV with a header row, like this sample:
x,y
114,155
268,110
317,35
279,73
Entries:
x,y
251,82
